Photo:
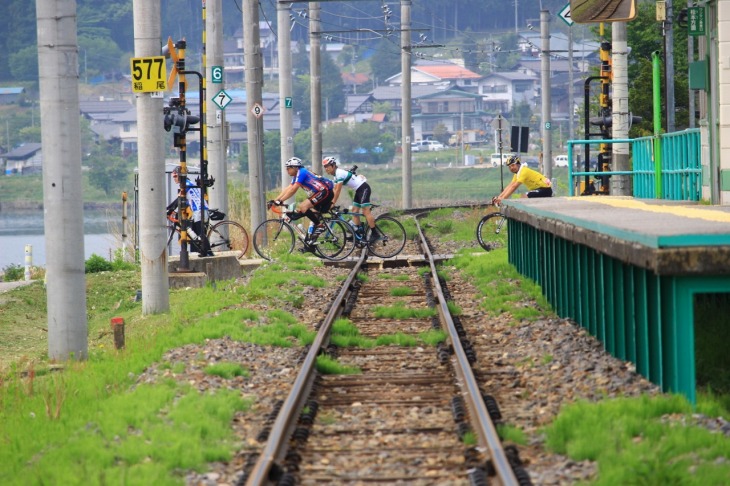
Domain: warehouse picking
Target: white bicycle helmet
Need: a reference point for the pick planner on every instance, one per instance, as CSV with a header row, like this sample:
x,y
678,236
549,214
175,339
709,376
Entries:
x,y
329,161
294,162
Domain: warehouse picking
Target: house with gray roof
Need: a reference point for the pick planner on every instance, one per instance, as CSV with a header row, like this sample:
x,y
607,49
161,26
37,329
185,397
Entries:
x,y
112,120
501,91
451,109
11,95
26,159
394,96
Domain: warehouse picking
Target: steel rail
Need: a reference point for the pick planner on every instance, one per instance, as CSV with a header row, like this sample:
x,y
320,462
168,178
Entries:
x,y
265,470
482,422
286,420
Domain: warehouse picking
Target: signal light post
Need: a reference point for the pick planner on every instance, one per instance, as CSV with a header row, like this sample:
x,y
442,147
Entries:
x,y
177,118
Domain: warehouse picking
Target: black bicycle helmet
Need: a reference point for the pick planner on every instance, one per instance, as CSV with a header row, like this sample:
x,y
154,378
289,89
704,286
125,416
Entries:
x,y
294,162
513,160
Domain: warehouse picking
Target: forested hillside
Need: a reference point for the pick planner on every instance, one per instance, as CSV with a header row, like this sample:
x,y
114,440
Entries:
x,y
106,31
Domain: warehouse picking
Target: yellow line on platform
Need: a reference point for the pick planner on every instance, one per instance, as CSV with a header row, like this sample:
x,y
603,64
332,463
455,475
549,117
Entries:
x,y
686,211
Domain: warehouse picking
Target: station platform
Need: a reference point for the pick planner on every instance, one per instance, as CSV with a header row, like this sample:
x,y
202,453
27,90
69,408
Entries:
x,y
628,271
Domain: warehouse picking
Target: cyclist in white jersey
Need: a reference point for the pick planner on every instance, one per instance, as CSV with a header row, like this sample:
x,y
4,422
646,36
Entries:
x,y
358,183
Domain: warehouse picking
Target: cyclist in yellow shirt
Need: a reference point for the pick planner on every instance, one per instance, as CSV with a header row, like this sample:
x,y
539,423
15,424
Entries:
x,y
537,184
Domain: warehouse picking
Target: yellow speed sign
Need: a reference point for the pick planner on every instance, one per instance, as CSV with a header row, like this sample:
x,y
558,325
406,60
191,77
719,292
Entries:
x,y
149,74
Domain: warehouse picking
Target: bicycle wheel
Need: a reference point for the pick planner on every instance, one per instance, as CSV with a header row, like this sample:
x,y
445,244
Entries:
x,y
391,237
273,238
336,242
492,231
228,236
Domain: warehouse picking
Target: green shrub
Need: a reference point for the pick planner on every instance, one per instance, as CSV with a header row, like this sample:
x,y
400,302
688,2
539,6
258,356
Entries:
x,y
97,263
13,272
120,264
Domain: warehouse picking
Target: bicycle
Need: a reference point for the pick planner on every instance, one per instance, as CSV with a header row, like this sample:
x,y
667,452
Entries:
x,y
275,237
391,236
223,236
492,230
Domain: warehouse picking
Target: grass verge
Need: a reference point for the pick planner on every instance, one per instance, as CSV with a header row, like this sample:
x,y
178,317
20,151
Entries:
x,y
91,422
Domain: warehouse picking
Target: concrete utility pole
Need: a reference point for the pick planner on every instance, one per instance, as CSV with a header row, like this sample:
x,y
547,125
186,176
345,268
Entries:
x,y
620,185
286,124
151,160
216,120
62,188
254,70
405,62
315,85
547,137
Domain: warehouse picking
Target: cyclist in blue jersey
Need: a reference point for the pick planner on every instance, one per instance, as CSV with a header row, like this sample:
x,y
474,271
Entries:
x,y
196,203
319,195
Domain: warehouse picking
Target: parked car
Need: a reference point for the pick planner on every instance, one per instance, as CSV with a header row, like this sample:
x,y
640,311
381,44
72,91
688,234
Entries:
x,y
427,146
561,160
494,158
435,145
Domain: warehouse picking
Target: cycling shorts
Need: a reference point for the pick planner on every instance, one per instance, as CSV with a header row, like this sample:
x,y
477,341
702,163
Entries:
x,y
322,200
541,192
362,196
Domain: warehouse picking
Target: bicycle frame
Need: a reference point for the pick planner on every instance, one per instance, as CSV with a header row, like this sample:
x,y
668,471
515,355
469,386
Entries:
x,y
176,224
346,217
219,235
286,220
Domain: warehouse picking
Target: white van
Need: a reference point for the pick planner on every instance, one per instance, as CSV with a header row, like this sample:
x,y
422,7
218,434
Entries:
x,y
561,160
494,159
429,145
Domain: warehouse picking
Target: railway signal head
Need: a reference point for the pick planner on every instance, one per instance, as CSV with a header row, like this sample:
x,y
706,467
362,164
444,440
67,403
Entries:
x,y
177,118
180,121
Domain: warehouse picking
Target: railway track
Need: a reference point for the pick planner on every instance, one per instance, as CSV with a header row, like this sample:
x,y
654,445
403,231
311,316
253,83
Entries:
x,y
408,413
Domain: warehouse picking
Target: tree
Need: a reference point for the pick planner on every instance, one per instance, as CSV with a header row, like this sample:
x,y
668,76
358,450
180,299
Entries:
x,y
24,64
441,134
382,107
31,134
272,159
303,146
332,87
338,138
386,61
97,55
108,172
18,28
644,37
301,99
521,113
332,91
359,143
300,61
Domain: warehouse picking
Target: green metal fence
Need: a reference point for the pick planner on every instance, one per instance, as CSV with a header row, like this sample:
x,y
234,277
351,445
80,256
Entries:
x,y
680,171
639,316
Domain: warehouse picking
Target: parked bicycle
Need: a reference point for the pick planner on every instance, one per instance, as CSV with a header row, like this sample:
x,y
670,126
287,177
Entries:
x,y
492,230
390,234
276,237
223,235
